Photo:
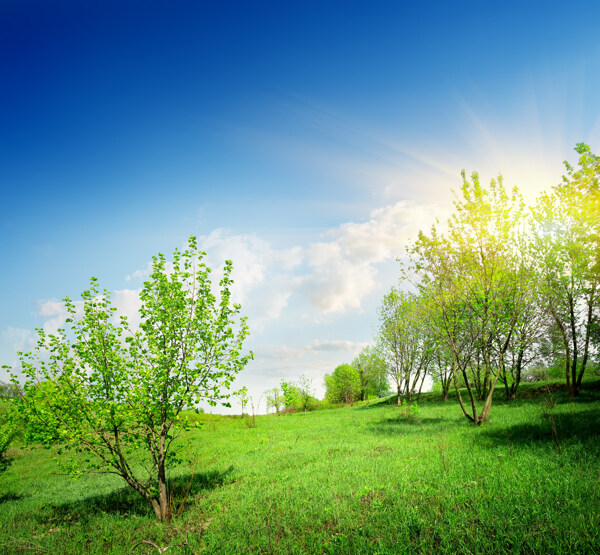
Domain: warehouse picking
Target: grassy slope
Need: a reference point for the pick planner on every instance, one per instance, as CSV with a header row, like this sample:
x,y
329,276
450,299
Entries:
x,y
351,480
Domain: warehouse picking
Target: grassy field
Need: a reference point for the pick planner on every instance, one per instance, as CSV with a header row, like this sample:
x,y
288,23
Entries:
x,y
366,479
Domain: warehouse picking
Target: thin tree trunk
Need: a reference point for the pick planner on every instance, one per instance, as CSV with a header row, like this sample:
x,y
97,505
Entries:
x,y
470,391
487,407
587,337
567,346
460,401
574,391
445,388
163,497
420,388
517,377
446,381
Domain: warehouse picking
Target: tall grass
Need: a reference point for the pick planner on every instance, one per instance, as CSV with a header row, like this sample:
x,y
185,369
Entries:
x,y
375,478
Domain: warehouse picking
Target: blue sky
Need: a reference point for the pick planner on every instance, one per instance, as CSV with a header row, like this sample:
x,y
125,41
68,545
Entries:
x,y
307,141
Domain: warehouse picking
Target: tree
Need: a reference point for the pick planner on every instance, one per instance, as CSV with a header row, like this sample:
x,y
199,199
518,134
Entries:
x,y
298,395
595,338
566,228
343,385
440,369
372,371
8,422
275,399
470,275
242,395
586,179
526,306
404,340
291,395
116,395
305,396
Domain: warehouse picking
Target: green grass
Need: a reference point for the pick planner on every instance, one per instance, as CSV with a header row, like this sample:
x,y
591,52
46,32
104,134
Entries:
x,y
366,479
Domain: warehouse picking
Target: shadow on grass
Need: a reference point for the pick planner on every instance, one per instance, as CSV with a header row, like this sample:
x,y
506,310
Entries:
x,y
378,403
582,426
403,424
429,399
9,496
125,501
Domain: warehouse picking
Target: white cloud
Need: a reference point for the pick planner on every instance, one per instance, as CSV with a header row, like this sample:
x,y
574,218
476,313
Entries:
x,y
336,345
127,303
335,283
334,274
344,269
278,352
141,274
248,252
55,314
386,233
51,308
262,280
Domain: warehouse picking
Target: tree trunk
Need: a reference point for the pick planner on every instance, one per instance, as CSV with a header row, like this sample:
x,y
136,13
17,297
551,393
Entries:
x,y
460,401
586,348
474,417
421,388
517,376
446,385
160,506
399,396
487,407
163,496
507,388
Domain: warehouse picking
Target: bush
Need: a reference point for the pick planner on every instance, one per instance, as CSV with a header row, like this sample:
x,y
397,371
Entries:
x,y
537,374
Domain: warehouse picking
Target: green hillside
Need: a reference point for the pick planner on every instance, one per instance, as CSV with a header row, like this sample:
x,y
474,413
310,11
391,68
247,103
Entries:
x,y
373,478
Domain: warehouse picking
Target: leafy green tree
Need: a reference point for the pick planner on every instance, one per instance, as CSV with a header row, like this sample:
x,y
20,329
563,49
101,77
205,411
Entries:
x,y
291,395
298,395
470,274
404,339
566,228
595,338
275,399
586,179
114,394
441,369
242,395
372,371
526,306
343,385
305,393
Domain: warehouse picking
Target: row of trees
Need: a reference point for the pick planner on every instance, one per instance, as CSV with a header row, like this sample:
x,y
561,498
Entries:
x,y
364,378
500,286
